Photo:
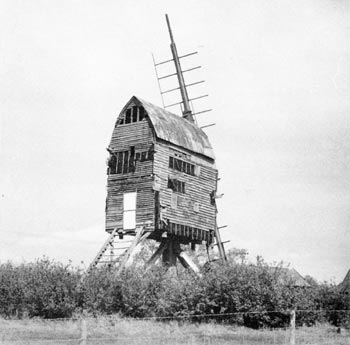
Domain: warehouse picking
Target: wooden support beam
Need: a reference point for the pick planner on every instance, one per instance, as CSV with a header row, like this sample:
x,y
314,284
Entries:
x,y
170,253
223,242
223,226
219,244
187,262
157,254
126,256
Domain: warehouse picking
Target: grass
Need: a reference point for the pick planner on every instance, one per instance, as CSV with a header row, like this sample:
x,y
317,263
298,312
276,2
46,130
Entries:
x,y
141,332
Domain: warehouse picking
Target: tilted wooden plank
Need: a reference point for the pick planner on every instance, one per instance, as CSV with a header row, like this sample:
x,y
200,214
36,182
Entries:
x,y
139,233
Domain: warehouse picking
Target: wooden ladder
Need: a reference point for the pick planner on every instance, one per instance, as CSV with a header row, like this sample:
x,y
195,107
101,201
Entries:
x,y
116,250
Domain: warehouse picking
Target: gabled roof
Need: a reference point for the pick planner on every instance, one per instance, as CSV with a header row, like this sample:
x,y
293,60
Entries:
x,y
344,286
175,129
289,277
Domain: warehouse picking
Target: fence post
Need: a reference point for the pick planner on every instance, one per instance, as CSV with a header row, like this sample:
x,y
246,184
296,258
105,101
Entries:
x,y
292,327
83,338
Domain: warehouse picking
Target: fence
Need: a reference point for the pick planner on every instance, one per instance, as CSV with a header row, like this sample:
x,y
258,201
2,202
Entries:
x,y
210,329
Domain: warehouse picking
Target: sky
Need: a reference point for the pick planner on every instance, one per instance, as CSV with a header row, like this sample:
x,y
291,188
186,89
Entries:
x,y
278,79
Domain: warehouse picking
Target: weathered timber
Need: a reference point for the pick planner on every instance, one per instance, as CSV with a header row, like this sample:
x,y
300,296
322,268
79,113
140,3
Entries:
x,y
169,164
161,179
140,236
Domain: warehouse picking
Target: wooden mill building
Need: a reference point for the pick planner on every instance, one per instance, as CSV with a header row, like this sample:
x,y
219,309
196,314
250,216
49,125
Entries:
x,y
161,175
161,183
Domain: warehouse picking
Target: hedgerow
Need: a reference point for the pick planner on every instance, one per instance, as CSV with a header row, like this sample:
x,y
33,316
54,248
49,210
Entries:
x,y
49,289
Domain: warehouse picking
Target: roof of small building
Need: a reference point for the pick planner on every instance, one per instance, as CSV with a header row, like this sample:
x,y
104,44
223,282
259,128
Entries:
x,y
344,286
175,129
290,277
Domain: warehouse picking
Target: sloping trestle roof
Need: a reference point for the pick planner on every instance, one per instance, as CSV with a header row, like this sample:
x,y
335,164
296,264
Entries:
x,y
175,129
289,277
344,286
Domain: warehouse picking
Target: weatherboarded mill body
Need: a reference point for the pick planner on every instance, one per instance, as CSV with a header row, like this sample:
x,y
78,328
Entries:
x,y
162,182
161,175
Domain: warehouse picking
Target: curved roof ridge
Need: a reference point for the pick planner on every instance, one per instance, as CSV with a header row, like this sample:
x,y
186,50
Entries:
x,y
177,130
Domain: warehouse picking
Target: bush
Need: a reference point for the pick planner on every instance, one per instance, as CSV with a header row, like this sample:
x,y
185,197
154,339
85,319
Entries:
x,y
44,288
253,293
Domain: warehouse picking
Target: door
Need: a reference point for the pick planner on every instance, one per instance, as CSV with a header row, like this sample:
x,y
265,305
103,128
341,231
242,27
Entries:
x,y
129,211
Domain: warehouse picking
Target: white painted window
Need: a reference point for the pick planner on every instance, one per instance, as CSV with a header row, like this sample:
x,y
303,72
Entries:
x,y
173,201
129,211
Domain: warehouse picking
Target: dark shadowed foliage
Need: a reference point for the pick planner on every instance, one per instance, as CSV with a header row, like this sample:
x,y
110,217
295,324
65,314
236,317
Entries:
x,y
254,293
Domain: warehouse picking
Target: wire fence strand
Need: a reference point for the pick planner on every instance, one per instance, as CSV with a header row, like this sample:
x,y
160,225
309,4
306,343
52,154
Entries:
x,y
175,317
89,330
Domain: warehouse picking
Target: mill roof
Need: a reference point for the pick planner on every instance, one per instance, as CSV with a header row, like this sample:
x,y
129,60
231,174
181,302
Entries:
x,y
175,129
344,286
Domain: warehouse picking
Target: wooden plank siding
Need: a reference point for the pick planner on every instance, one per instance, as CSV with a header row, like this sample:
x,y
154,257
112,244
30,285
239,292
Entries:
x,y
140,136
197,189
186,209
144,200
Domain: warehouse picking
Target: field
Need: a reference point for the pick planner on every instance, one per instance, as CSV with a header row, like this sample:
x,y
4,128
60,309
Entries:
x,y
146,332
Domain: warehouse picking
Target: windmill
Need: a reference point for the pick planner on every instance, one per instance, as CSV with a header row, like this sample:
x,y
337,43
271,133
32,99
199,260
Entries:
x,y
162,181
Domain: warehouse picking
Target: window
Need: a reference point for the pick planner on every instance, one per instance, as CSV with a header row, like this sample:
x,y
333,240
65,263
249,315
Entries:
x,y
141,113
174,201
131,159
128,116
176,185
133,114
181,165
125,161
151,152
143,156
119,156
129,211
112,164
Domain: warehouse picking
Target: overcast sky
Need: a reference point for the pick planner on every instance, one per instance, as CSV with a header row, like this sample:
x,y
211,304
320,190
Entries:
x,y
278,78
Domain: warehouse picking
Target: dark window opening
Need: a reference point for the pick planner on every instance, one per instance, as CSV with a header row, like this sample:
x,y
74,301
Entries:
x,y
141,113
132,159
176,185
143,156
191,169
134,114
125,162
181,165
177,164
128,116
151,152
112,164
120,163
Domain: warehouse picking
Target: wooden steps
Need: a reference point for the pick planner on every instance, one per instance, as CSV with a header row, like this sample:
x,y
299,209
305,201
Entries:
x,y
118,248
